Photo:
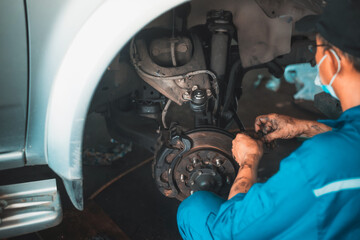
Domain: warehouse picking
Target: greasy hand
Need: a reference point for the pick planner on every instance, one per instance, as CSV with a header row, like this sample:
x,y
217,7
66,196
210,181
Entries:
x,y
275,126
245,149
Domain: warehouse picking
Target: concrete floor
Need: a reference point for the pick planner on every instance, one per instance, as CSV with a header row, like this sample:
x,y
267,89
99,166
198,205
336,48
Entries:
x,y
133,203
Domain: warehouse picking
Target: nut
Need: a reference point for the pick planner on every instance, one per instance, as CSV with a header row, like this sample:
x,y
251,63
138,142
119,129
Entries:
x,y
195,87
189,168
186,95
182,178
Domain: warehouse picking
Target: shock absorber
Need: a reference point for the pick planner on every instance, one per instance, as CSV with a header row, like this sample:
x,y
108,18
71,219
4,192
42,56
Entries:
x,y
220,25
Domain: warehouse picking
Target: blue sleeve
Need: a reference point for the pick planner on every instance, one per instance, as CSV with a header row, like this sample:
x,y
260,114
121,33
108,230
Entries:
x,y
268,209
329,122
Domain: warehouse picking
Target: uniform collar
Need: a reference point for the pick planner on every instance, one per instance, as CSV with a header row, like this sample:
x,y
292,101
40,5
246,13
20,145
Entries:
x,y
349,115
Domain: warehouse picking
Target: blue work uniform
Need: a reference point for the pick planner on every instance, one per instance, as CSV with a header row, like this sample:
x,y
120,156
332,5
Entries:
x,y
314,195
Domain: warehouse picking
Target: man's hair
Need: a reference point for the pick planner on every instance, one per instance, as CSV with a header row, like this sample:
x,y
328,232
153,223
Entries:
x,y
354,60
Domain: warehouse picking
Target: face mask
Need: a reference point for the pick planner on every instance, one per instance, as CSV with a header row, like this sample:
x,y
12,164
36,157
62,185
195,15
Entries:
x,y
328,88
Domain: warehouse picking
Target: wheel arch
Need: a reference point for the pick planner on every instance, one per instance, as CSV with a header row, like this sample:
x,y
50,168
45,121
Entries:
x,y
104,33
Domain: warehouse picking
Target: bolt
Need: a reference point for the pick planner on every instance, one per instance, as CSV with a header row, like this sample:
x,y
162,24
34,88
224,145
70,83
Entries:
x,y
195,160
180,80
218,162
200,173
189,168
208,92
191,192
182,178
191,182
182,47
195,87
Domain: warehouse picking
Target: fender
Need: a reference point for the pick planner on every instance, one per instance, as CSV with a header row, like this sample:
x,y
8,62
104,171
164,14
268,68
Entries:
x,y
103,34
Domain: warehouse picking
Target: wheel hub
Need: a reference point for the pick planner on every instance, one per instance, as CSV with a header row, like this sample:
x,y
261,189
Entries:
x,y
206,165
205,180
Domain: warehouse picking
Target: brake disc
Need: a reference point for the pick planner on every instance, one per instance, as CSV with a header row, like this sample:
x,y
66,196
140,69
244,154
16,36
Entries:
x,y
197,160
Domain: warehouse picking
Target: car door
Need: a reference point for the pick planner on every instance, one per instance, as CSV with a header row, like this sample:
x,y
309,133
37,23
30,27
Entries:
x,y
13,82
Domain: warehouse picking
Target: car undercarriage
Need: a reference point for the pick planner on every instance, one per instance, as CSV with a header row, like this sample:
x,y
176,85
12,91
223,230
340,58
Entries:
x,y
174,88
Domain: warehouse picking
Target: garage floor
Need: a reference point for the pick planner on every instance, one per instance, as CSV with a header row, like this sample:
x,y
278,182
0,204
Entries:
x,y
132,207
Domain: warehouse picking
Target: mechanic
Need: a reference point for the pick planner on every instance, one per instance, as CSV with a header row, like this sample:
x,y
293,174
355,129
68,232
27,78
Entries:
x,y
316,192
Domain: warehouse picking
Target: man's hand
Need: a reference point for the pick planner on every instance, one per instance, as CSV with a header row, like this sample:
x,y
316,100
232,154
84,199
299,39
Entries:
x,y
275,126
244,146
247,152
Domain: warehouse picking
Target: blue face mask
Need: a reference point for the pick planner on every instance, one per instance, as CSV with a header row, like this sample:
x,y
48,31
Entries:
x,y
328,88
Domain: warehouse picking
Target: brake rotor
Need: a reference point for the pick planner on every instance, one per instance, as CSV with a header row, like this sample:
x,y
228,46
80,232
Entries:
x,y
199,160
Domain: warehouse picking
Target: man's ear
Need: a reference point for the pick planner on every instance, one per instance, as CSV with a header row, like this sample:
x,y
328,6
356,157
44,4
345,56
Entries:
x,y
333,61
